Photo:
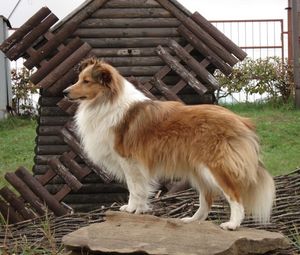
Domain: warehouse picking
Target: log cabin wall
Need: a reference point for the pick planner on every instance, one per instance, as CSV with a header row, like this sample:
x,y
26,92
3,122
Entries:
x,y
169,53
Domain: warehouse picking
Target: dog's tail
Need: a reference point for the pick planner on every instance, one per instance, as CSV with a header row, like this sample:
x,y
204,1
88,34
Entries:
x,y
258,197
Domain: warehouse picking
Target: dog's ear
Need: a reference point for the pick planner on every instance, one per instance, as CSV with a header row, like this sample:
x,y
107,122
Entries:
x,y
101,75
86,62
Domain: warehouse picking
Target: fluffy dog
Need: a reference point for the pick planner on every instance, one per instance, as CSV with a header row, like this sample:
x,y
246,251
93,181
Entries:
x,y
140,140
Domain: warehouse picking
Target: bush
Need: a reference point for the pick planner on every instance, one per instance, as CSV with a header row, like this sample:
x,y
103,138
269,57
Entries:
x,y
270,75
22,89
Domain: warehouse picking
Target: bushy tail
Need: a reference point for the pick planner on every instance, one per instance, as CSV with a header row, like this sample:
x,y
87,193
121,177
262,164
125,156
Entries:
x,y
258,198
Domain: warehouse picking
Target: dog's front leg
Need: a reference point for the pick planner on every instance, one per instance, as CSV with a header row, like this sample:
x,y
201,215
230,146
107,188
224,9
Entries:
x,y
139,189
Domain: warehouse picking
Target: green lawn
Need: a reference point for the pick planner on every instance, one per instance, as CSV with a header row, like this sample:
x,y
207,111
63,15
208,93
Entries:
x,y
17,143
279,131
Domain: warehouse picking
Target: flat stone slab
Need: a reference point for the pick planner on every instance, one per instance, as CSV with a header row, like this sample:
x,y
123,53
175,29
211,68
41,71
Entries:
x,y
129,233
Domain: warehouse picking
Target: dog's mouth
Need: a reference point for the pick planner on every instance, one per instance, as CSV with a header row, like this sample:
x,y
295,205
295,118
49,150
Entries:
x,y
76,98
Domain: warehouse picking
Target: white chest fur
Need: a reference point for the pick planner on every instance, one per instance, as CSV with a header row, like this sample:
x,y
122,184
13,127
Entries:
x,y
95,125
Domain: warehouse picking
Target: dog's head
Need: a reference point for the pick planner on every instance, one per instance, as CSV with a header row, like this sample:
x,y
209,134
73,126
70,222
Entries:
x,y
97,79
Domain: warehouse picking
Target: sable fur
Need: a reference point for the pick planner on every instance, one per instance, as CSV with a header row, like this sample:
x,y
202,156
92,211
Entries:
x,y
139,140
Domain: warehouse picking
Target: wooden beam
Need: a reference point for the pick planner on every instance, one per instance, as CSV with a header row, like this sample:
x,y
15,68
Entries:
x,y
200,33
194,64
181,71
126,32
65,174
165,91
219,36
41,192
47,67
17,203
129,22
131,13
25,192
204,50
65,66
18,49
24,29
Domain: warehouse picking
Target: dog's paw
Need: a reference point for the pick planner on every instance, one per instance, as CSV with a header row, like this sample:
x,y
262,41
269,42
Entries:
x,y
127,208
187,219
229,225
140,209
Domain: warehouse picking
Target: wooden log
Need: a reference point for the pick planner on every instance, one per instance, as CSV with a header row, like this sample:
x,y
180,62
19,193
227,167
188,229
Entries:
x,y
25,192
194,65
219,36
138,70
130,42
39,169
48,130
43,159
65,174
18,49
166,92
126,32
65,66
17,203
133,61
207,52
46,177
166,69
200,33
124,52
63,33
41,192
49,140
192,99
130,23
64,104
131,4
113,13
53,121
51,149
78,171
60,195
65,81
48,101
52,111
94,198
9,214
93,188
47,67
76,147
24,29
181,71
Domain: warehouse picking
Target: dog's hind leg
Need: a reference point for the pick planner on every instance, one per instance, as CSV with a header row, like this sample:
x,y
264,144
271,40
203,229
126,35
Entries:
x,y
205,200
201,181
232,194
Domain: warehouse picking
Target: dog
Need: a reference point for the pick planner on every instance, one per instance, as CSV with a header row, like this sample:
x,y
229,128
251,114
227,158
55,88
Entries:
x,y
139,140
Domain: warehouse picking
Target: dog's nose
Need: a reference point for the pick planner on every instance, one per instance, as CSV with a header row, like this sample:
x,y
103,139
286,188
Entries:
x,y
65,92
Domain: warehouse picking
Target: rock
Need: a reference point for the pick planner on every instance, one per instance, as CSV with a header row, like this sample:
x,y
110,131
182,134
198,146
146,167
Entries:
x,y
129,233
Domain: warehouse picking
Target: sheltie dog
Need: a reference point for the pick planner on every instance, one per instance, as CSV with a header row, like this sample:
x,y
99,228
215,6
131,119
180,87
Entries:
x,y
139,140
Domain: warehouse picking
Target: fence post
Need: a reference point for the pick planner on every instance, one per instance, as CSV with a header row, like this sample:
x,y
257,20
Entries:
x,y
5,79
296,45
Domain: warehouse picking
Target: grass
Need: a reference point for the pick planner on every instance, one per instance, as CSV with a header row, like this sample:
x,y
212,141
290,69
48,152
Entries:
x,y
279,131
17,141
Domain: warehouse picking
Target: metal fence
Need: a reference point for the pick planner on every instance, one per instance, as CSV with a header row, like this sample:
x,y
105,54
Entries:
x,y
260,39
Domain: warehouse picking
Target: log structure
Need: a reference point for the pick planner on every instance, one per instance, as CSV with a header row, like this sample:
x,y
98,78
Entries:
x,y
163,49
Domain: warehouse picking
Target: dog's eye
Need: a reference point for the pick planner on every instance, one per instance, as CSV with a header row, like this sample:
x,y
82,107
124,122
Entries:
x,y
85,81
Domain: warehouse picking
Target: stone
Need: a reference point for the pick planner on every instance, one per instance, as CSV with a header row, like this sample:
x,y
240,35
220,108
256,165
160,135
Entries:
x,y
123,233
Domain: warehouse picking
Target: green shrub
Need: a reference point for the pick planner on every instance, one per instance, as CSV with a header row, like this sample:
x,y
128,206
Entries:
x,y
258,76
